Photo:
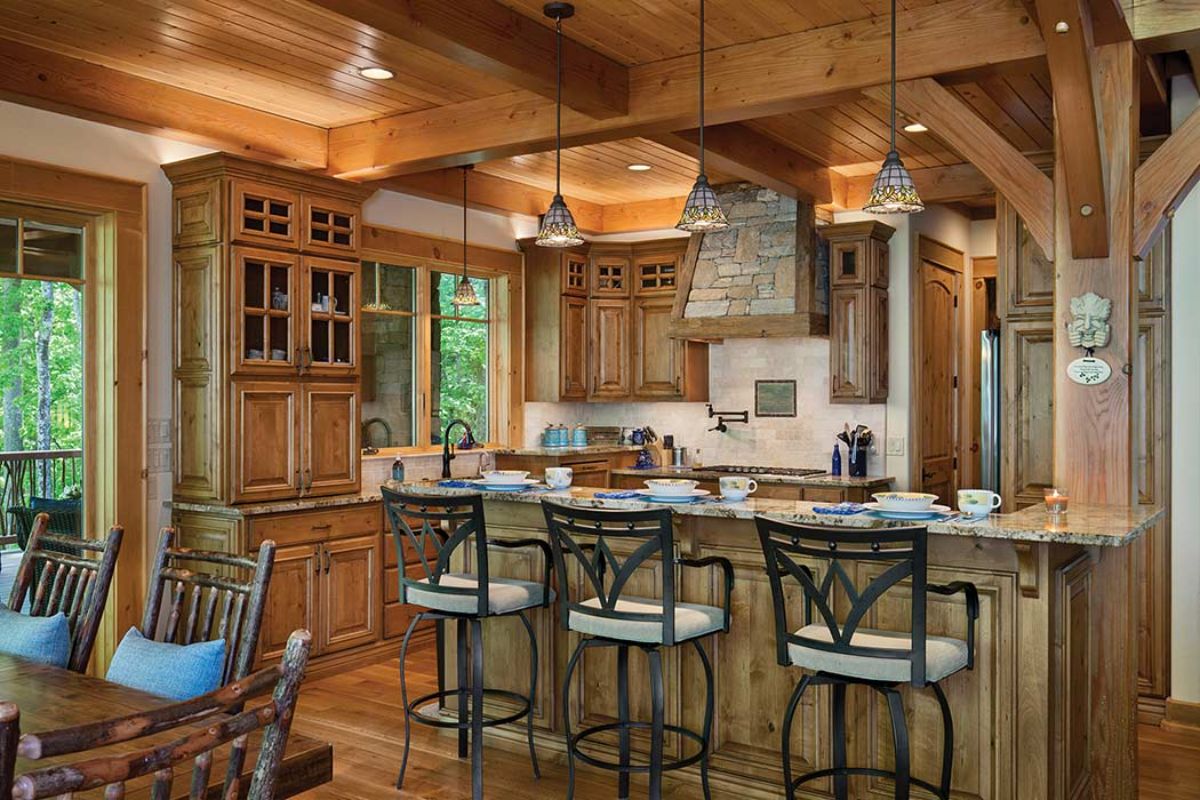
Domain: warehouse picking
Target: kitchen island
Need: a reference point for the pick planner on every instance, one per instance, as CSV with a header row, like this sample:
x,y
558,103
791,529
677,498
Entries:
x,y
1048,712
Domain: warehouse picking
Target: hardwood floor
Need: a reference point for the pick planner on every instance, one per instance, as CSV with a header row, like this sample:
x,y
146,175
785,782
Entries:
x,y
360,712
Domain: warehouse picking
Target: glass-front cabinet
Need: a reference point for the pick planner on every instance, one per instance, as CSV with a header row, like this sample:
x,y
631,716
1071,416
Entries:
x,y
332,310
265,332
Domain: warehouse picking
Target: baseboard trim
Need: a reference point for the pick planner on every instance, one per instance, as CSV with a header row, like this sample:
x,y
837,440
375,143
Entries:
x,y
1151,710
1182,714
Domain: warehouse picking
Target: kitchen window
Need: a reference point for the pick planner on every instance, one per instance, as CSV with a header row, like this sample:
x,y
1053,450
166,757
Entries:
x,y
425,361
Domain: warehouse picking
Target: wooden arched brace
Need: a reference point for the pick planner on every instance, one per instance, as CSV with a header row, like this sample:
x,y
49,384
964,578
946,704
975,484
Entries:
x,y
1162,181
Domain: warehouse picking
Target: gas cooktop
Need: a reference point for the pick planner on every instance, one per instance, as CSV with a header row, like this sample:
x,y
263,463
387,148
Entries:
x,y
739,469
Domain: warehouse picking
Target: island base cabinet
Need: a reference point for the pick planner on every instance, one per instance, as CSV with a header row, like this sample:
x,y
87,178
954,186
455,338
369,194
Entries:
x,y
1049,703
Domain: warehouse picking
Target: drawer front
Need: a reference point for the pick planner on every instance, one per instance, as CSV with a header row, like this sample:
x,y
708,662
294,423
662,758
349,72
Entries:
x,y
391,581
316,526
813,495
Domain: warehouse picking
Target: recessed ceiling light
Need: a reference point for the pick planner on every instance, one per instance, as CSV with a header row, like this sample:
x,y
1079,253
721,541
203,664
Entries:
x,y
377,73
639,168
915,127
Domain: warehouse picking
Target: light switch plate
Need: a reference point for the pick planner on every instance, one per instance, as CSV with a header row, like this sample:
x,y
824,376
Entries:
x,y
895,445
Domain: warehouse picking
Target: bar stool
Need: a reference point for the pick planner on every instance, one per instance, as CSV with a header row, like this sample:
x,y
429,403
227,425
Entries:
x,y
849,654
607,617
444,524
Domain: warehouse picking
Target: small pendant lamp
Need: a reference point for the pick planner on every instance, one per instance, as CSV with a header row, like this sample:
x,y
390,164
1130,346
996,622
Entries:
x,y
702,211
558,226
893,191
464,293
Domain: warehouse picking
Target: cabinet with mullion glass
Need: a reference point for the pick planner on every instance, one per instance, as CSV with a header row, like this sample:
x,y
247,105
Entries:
x,y
332,312
265,329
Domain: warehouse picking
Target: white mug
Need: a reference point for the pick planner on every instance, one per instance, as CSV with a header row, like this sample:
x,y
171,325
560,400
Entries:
x,y
559,477
737,487
978,502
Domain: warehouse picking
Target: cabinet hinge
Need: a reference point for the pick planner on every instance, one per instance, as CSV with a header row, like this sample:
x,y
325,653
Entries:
x,y
954,384
956,462
956,301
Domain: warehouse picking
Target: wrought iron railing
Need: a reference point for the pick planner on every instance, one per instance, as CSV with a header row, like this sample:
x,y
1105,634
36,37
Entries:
x,y
35,473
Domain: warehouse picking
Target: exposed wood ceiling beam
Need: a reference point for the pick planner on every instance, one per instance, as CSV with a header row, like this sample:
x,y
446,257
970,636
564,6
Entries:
x,y
934,184
756,157
745,81
494,39
1076,124
35,77
1160,26
1109,25
1163,180
1013,175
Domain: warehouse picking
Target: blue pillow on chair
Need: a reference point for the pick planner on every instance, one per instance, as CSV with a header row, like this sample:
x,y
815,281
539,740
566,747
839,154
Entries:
x,y
46,640
177,671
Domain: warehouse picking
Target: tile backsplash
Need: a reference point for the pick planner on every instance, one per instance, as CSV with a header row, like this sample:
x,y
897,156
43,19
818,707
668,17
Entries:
x,y
805,440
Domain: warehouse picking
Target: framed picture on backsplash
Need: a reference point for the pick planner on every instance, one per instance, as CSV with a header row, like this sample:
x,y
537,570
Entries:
x,y
774,398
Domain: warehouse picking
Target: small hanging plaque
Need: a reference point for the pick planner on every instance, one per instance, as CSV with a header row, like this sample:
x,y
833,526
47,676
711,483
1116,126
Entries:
x,y
1089,370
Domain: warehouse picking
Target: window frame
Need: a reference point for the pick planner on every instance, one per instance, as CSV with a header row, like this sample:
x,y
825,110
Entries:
x,y
498,322
24,212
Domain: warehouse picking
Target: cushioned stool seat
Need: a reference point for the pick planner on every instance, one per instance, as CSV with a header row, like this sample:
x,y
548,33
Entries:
x,y
691,621
943,656
505,595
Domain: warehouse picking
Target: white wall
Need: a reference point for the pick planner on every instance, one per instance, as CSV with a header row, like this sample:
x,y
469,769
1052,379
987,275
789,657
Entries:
x,y
396,210
1185,426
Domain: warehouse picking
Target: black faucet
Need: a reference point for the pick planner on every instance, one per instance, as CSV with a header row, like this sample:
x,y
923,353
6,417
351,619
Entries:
x,y
448,448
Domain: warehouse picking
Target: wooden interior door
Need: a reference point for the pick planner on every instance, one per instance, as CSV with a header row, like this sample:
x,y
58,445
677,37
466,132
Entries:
x,y
657,359
349,593
266,457
937,374
331,433
573,348
292,599
610,349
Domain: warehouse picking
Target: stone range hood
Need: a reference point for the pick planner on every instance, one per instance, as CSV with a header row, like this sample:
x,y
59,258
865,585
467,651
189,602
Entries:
x,y
765,275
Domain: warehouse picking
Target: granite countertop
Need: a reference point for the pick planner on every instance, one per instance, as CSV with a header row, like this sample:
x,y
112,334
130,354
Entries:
x,y
816,480
1111,526
279,506
588,450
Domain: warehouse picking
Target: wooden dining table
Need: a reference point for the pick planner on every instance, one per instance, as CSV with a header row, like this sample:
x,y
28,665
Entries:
x,y
51,698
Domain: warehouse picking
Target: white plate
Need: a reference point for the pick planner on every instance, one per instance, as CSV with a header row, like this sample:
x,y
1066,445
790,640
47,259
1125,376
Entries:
x,y
504,487
889,513
687,498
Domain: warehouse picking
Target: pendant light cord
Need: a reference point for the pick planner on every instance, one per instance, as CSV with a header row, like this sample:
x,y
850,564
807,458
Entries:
x,y
702,86
893,75
465,171
558,109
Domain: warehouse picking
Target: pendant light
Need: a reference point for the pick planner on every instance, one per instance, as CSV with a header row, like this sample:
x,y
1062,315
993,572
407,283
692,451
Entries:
x,y
558,226
893,191
464,293
702,211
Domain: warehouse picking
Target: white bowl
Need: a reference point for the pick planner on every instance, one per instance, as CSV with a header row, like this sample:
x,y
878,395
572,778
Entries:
x,y
905,501
505,477
671,487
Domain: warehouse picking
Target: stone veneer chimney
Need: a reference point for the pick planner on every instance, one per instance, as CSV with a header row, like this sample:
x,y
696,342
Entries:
x,y
750,268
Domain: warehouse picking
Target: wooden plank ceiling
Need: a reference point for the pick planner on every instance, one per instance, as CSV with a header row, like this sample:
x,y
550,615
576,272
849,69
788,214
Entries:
x,y
279,80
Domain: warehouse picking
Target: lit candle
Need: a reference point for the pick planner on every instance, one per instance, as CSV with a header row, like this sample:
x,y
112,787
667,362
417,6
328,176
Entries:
x,y
1057,500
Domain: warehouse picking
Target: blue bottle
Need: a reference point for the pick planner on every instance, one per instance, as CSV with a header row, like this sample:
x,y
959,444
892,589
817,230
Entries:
x,y
836,468
398,470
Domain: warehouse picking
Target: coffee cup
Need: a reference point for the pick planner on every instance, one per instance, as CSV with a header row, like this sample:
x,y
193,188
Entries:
x,y
737,487
559,477
978,502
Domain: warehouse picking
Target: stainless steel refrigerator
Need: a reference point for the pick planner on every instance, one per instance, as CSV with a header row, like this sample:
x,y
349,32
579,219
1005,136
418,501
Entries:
x,y
989,410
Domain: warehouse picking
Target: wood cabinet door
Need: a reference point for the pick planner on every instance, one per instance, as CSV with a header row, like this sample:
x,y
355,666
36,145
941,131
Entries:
x,y
877,345
265,441
1025,276
847,345
349,593
1027,434
264,214
330,303
656,274
609,349
610,276
574,274
657,359
330,433
292,599
591,473
573,349
848,262
329,225
266,312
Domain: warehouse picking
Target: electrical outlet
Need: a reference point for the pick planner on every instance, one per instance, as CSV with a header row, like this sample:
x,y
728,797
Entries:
x,y
895,445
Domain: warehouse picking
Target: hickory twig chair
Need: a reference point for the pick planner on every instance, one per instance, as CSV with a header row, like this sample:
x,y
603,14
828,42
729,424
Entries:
x,y
224,722
56,575
202,606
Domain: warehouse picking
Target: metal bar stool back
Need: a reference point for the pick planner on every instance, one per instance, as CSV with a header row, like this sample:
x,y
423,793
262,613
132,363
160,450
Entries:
x,y
838,650
433,529
605,614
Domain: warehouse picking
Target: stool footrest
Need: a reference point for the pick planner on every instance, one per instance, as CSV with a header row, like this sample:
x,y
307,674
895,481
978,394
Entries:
x,y
525,709
878,773
596,730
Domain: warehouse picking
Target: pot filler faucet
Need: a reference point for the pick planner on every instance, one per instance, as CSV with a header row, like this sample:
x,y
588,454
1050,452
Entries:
x,y
724,417
448,448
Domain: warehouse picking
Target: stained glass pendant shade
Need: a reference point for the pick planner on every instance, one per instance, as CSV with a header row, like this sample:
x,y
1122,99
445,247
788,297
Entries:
x,y
893,191
558,227
464,292
702,212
